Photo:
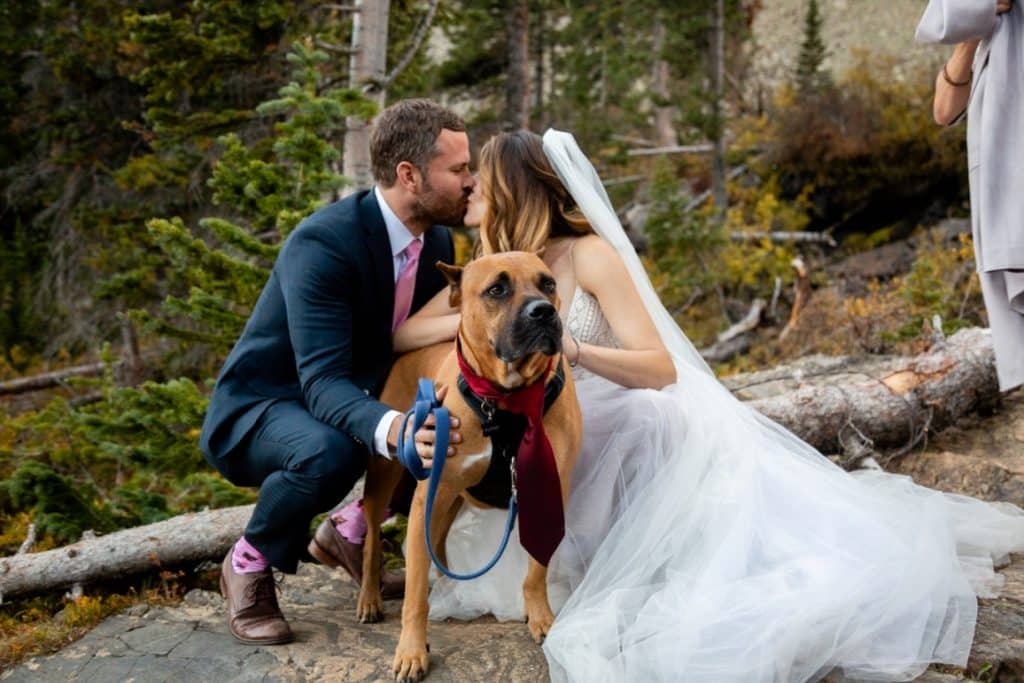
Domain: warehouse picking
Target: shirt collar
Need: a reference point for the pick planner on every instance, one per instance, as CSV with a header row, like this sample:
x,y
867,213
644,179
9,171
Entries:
x,y
398,235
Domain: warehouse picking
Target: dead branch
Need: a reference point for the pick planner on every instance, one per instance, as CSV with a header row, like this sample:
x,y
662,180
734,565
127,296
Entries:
x,y
338,8
706,194
783,237
30,540
611,182
725,351
775,297
748,323
633,140
803,294
56,378
735,340
331,47
48,380
702,148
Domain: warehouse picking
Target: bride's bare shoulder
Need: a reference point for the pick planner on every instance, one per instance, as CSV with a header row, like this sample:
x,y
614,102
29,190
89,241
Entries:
x,y
594,259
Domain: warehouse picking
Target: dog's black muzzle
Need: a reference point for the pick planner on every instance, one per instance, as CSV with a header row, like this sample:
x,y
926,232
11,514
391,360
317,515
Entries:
x,y
537,327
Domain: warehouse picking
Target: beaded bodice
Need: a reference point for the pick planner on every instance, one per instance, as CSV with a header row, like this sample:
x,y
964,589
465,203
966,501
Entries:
x,y
587,324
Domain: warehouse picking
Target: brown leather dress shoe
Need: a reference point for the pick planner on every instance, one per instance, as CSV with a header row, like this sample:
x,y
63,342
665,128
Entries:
x,y
254,617
331,548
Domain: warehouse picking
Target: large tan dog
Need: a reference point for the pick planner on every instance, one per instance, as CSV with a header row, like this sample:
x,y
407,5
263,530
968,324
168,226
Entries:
x,y
510,331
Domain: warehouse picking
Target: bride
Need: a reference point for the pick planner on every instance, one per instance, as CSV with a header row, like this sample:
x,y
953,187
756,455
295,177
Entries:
x,y
703,541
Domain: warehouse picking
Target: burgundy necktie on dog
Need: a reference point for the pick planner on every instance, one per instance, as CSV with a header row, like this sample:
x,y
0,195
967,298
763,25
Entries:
x,y
541,518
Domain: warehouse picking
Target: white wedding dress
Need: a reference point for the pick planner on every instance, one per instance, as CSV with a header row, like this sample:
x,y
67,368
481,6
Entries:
x,y
707,543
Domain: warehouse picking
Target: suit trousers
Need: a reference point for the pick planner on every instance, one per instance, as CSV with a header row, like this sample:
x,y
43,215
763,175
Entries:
x,y
302,467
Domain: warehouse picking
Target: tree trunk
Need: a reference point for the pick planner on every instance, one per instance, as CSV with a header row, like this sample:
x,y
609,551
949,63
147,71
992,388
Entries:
x,y
368,64
539,35
186,538
718,92
517,80
664,114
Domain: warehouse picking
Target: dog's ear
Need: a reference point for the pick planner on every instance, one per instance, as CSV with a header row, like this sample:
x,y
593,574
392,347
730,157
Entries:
x,y
454,276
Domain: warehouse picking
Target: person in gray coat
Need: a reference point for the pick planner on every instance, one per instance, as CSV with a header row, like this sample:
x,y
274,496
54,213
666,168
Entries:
x,y
983,81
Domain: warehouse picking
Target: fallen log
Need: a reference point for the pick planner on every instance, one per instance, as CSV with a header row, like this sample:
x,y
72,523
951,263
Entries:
x,y
892,405
187,538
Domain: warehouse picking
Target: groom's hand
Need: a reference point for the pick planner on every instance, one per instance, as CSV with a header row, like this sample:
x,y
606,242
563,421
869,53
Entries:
x,y
427,435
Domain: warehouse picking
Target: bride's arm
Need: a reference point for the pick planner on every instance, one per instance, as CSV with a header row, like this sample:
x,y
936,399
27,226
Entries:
x,y
436,322
643,360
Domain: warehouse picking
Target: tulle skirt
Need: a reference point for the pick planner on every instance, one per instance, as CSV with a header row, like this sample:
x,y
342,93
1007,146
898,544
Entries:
x,y
706,543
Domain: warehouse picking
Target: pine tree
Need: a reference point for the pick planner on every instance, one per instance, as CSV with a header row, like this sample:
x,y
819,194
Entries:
x,y
137,447
264,190
810,76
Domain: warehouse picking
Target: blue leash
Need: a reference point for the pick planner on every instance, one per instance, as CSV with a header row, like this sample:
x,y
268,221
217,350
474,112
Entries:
x,y
425,404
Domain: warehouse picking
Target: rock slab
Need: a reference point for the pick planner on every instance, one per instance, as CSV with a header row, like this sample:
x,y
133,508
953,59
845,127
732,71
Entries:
x,y
192,643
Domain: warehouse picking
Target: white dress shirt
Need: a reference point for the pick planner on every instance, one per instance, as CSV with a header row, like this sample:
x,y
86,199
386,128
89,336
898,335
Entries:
x,y
399,237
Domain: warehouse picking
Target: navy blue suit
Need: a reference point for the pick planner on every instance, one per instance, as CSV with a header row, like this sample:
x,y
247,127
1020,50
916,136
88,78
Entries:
x,y
294,410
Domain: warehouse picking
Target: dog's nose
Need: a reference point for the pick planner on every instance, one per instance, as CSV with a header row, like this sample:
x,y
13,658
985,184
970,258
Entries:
x,y
539,309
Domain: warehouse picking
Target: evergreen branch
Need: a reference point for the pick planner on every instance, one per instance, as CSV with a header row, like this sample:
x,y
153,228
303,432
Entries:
x,y
239,238
164,327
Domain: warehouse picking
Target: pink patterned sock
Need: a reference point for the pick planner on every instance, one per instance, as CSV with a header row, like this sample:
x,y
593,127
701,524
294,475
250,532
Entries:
x,y
245,559
351,523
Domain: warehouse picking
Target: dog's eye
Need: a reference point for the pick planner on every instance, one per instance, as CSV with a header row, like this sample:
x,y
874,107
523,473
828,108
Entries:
x,y
497,290
548,286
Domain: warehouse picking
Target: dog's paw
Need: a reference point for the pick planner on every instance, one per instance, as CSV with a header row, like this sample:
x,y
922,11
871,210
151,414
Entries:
x,y
411,663
369,608
539,619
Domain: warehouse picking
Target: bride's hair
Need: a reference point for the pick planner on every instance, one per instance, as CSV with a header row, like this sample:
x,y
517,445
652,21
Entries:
x,y
526,203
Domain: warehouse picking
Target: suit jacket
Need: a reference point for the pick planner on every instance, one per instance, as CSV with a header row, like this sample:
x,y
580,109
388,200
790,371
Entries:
x,y
995,122
320,332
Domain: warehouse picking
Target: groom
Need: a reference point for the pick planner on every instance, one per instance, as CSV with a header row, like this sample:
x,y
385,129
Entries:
x,y
294,411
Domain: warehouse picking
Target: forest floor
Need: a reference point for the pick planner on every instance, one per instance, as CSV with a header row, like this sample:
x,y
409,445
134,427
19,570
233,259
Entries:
x,y
982,456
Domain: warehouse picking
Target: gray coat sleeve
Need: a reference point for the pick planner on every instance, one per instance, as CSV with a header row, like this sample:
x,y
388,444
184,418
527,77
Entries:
x,y
954,21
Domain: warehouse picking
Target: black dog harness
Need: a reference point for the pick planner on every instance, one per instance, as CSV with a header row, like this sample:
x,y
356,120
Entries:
x,y
506,432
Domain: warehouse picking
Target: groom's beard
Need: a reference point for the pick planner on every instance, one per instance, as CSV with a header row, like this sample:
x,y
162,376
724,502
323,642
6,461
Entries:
x,y
439,209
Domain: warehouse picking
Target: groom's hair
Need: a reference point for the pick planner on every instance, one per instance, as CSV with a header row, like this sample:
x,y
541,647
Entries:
x,y
408,131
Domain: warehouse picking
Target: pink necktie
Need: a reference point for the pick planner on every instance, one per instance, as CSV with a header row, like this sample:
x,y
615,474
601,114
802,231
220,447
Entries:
x,y
406,284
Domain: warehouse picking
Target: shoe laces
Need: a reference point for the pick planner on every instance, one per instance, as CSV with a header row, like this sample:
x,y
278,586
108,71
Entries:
x,y
263,589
